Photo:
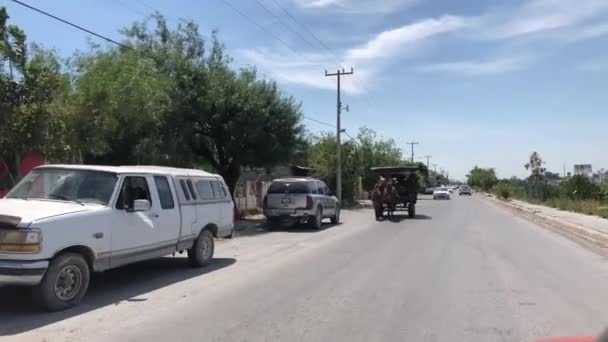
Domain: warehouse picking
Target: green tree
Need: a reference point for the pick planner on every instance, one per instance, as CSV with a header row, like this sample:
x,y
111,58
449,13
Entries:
x,y
229,119
484,179
322,160
29,83
118,104
374,151
537,180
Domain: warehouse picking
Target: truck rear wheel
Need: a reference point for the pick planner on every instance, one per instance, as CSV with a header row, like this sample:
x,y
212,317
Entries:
x,y
316,221
336,218
201,252
411,210
65,283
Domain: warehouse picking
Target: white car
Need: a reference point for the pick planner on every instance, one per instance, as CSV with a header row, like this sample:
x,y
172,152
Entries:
x,y
441,193
62,222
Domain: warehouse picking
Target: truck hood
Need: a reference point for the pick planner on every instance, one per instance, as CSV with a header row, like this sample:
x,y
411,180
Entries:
x,y
14,211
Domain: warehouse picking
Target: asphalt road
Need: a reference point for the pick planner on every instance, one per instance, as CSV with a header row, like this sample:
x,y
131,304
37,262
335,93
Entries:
x,y
463,270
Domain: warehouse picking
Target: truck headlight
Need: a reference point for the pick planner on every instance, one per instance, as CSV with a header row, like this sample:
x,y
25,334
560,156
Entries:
x,y
20,240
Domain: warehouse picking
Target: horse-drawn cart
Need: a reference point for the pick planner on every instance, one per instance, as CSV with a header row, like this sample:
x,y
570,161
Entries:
x,y
397,189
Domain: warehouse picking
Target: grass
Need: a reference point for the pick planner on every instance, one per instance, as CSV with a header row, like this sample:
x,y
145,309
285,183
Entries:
x,y
588,207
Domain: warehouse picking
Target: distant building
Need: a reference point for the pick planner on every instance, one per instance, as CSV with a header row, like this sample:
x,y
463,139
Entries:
x,y
583,170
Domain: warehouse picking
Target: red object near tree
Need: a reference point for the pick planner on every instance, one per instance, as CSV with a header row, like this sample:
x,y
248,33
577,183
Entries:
x,y
29,160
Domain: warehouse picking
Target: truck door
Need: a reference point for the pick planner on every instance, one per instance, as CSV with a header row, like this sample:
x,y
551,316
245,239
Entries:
x,y
133,234
164,207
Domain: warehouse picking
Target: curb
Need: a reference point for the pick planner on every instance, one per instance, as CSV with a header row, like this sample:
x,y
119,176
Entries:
x,y
588,235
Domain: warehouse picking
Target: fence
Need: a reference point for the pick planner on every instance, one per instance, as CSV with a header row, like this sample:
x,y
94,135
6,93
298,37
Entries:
x,y
250,194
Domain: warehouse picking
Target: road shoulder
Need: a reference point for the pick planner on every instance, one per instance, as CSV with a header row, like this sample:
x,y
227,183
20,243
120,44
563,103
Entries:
x,y
588,231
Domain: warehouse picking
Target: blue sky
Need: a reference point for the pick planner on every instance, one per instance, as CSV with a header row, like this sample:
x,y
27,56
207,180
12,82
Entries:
x,y
482,82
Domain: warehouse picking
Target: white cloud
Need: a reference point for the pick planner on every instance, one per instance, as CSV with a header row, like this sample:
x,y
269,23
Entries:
x,y
368,58
537,16
355,6
395,41
477,68
306,69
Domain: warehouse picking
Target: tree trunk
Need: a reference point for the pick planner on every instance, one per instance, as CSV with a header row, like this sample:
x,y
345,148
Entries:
x,y
231,174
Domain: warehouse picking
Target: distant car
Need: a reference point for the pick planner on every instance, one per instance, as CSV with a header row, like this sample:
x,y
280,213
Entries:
x,y
464,190
305,200
429,190
441,193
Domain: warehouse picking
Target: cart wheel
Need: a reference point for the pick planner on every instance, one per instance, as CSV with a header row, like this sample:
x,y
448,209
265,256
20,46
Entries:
x,y
411,210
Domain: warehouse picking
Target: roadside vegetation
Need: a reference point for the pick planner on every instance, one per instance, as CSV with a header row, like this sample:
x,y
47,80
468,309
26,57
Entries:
x,y
166,96
576,193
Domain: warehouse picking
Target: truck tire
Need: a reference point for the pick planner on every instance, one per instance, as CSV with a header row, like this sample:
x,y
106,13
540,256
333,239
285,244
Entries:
x,y
336,218
201,253
411,210
316,221
65,283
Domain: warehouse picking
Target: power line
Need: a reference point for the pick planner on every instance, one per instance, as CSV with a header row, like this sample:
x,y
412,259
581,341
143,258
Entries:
x,y
325,46
258,25
141,2
284,25
356,141
307,30
128,7
72,24
318,121
244,15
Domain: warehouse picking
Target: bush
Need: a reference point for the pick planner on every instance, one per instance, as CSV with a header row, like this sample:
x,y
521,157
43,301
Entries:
x,y
503,191
579,187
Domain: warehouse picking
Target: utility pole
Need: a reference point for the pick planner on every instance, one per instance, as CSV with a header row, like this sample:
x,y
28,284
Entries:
x,y
428,158
412,143
339,74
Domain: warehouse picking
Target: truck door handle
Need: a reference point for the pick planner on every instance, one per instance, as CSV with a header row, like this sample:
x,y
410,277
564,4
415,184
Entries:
x,y
154,215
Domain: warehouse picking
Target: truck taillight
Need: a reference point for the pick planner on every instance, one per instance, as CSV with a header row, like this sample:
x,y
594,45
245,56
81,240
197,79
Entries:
x,y
308,202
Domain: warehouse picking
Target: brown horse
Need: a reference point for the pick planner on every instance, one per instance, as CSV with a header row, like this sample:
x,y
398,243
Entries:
x,y
391,197
378,198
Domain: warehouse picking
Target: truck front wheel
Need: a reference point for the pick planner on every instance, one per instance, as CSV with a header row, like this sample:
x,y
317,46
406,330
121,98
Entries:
x,y
65,283
201,252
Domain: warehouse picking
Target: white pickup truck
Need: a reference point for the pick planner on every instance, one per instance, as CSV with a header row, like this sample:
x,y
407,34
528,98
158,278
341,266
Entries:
x,y
62,222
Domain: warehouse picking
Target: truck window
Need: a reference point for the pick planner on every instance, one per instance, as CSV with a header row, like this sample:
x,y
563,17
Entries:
x,y
189,182
321,188
282,187
215,186
164,192
133,188
182,183
204,189
219,190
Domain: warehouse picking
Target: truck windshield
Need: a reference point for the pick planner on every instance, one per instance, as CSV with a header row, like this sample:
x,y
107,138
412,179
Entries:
x,y
82,186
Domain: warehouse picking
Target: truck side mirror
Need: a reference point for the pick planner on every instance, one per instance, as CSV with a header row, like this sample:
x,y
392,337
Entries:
x,y
141,205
